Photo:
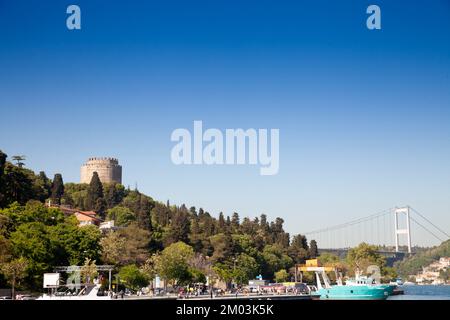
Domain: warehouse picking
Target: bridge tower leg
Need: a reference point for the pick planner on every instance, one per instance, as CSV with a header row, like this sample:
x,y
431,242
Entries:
x,y
399,231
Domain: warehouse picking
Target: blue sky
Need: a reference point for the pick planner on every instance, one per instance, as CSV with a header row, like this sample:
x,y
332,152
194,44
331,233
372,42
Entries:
x,y
363,115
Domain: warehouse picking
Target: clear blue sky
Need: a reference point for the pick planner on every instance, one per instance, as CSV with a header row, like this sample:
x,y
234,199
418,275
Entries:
x,y
364,116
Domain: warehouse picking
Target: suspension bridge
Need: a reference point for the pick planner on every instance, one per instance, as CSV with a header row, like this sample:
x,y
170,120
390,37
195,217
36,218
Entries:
x,y
393,230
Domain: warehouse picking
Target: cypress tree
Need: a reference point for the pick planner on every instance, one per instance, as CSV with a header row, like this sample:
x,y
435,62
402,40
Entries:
x,y
95,192
143,213
228,222
57,188
313,250
222,223
43,186
100,207
235,222
3,157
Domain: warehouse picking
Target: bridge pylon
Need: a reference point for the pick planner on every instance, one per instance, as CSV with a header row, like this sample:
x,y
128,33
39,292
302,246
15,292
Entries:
x,y
400,231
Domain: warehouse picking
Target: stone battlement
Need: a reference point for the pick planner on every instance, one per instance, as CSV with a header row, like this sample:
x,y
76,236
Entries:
x,y
103,159
107,168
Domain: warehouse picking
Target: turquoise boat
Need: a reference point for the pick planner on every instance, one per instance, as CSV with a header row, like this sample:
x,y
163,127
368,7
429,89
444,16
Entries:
x,y
368,281
338,292
361,288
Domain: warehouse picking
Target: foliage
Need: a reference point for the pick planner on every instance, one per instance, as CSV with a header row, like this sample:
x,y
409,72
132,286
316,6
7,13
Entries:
x,y
122,216
245,268
313,250
126,246
89,271
95,194
133,277
180,244
362,256
46,238
275,258
413,264
298,250
57,189
281,276
172,264
75,195
444,275
14,271
112,248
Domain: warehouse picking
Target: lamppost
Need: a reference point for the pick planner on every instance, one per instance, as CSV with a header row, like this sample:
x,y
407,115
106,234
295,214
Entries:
x,y
210,277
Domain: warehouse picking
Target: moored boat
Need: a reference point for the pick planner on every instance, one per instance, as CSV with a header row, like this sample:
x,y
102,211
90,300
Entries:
x,y
90,292
360,288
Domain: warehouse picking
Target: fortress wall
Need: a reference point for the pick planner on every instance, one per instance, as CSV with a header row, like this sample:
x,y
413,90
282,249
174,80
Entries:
x,y
108,170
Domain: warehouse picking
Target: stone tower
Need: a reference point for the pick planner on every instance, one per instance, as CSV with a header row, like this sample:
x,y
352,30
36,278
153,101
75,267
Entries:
x,y
108,170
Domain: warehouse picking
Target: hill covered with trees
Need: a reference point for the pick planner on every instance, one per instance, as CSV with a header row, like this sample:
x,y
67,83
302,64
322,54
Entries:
x,y
180,244
413,264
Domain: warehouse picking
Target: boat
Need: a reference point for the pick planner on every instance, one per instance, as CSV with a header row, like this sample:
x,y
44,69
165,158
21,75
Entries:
x,y
89,292
362,288
368,281
359,288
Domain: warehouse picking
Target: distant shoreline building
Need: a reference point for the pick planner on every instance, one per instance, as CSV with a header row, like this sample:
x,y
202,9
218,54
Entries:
x,y
108,170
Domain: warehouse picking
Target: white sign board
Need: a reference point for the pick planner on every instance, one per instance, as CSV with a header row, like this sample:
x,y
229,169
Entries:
x,y
157,282
51,280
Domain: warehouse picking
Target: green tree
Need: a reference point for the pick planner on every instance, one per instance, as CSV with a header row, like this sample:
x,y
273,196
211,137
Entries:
x,y
75,194
298,250
5,248
100,207
329,259
221,223
95,192
281,276
31,241
235,222
112,246
225,272
313,250
195,235
57,188
133,277
172,264
19,160
223,247
362,256
129,245
122,216
142,206
114,194
274,258
245,268
42,187
14,271
3,157
89,271
17,185
179,227
70,244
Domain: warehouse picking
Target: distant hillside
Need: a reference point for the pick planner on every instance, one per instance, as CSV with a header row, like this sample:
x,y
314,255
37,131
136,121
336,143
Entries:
x,y
414,264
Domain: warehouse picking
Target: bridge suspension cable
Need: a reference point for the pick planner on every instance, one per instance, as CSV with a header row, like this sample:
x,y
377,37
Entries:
x,y
437,228
426,229
381,228
350,223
